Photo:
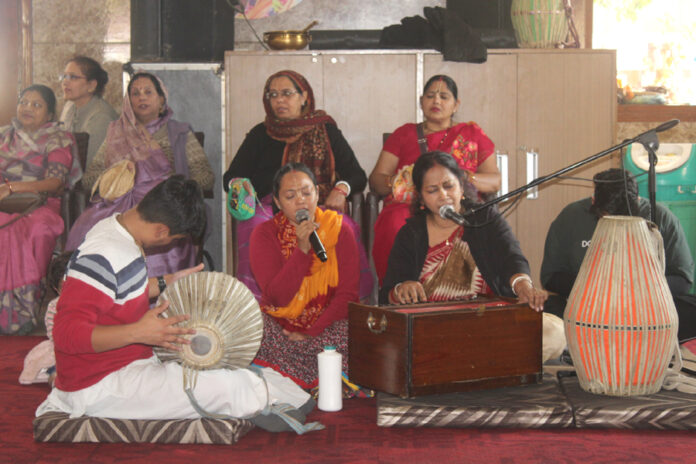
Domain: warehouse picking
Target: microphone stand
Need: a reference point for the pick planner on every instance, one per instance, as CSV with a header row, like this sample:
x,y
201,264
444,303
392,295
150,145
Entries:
x,y
648,139
650,143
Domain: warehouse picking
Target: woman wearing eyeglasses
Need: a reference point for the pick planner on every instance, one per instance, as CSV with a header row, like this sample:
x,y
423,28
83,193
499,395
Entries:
x,y
83,83
294,131
35,157
149,143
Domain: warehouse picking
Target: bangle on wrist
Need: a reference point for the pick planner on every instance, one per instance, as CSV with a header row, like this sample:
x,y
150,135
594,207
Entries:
x,y
393,291
346,185
518,279
9,186
341,191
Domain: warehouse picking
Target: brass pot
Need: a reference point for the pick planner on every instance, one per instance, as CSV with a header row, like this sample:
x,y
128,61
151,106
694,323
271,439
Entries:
x,y
289,40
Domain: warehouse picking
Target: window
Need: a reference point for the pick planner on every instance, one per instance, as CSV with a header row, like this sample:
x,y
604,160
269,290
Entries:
x,y
656,50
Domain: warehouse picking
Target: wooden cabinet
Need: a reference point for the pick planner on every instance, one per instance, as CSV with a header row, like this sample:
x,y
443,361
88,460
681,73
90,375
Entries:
x,y
559,104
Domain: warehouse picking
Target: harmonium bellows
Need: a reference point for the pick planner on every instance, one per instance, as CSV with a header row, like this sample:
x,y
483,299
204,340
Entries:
x,y
429,348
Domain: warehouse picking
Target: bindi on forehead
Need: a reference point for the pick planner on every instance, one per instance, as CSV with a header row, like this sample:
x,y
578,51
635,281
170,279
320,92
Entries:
x,y
438,174
440,87
143,84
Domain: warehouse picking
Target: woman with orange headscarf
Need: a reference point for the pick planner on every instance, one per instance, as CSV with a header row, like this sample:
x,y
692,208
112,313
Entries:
x,y
294,131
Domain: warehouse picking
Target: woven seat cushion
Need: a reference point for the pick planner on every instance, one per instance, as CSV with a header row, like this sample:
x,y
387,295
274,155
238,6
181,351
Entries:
x,y
666,409
59,427
530,406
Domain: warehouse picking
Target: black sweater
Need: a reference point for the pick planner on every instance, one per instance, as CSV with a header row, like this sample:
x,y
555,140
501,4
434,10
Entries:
x,y
260,156
494,247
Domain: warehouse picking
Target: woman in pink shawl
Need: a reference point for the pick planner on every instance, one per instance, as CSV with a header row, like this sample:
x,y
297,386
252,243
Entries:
x,y
158,146
35,156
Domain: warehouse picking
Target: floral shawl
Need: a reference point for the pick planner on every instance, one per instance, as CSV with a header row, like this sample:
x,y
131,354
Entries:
x,y
35,156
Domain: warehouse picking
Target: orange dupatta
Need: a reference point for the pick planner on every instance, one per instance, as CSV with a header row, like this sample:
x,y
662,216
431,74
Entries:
x,y
320,284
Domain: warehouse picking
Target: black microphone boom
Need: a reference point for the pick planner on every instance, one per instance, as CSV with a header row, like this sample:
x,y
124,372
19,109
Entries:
x,y
666,125
648,139
302,215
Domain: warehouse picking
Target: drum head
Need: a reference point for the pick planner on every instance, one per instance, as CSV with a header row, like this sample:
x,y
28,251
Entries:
x,y
225,316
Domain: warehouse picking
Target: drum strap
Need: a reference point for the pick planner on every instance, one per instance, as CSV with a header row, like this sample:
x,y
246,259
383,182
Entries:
x,y
282,410
675,378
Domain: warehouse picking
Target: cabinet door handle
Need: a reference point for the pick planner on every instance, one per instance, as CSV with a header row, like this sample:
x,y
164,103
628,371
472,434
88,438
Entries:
x,y
501,160
532,172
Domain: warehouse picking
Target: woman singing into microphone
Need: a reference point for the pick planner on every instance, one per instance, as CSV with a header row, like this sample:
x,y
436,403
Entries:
x,y
435,259
304,299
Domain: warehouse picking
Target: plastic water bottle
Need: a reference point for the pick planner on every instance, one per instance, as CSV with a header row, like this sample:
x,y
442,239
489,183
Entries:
x,y
330,383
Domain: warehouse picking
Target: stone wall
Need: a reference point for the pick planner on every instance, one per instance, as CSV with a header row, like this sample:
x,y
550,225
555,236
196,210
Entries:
x,y
99,29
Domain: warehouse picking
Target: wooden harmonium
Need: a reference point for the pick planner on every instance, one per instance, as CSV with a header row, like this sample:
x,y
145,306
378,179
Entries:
x,y
430,348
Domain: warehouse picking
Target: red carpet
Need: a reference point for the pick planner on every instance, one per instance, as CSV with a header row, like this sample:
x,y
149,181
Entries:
x,y
351,436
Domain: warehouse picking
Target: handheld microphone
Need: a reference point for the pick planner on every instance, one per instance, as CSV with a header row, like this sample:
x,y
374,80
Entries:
x,y
302,215
447,212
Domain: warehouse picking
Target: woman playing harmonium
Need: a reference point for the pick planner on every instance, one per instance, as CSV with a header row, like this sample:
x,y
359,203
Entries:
x,y
35,157
294,131
436,259
304,300
391,176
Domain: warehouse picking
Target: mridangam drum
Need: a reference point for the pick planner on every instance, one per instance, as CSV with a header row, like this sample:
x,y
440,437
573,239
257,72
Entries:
x,y
539,23
620,319
227,320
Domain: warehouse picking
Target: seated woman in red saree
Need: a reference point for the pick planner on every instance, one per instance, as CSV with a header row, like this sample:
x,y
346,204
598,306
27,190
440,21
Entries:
x,y
304,300
391,176
35,156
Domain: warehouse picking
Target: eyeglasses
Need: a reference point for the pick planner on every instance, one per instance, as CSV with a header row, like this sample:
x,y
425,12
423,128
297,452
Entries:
x,y
70,77
287,93
33,104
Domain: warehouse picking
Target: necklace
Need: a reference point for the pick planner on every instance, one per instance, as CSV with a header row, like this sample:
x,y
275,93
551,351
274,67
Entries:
x,y
444,137
442,140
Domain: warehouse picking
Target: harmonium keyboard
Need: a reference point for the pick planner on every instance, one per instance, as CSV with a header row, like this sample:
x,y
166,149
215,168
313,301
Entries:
x,y
430,348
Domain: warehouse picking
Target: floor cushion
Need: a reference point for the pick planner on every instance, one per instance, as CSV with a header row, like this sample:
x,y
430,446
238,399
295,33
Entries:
x,y
59,427
529,406
666,409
